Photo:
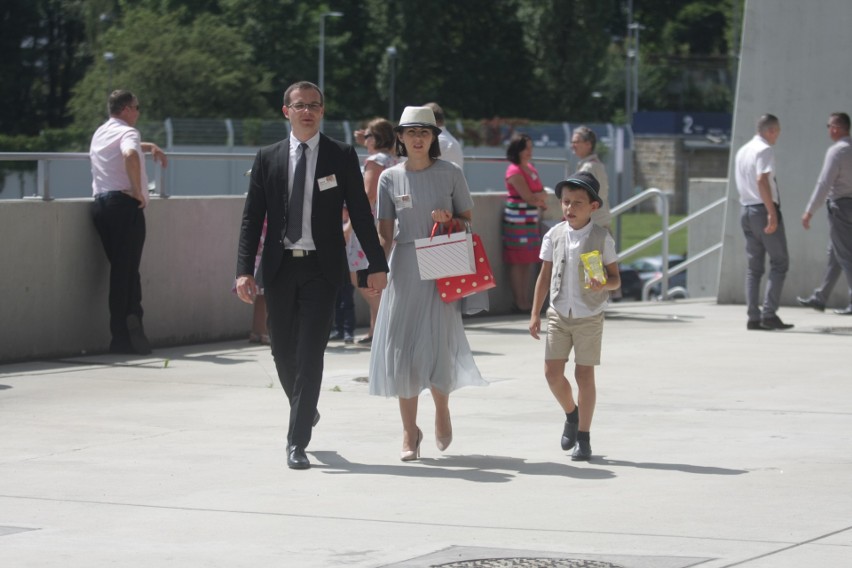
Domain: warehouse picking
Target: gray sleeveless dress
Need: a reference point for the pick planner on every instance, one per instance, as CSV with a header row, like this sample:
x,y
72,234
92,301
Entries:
x,y
419,341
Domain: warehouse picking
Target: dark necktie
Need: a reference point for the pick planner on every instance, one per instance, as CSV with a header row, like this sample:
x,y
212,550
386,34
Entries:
x,y
297,197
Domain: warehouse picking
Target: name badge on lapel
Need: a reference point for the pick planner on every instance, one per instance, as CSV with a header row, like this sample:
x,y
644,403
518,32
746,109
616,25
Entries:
x,y
327,182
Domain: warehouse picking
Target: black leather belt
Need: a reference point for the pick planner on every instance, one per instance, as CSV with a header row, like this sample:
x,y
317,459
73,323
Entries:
x,y
299,253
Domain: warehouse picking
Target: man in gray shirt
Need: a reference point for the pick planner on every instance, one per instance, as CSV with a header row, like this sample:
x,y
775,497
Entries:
x,y
834,188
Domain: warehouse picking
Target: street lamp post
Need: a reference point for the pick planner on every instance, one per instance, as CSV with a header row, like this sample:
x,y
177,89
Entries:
x,y
391,51
636,28
109,57
322,47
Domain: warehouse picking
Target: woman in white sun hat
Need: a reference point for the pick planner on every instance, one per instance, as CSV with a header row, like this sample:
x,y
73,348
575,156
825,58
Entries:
x,y
419,341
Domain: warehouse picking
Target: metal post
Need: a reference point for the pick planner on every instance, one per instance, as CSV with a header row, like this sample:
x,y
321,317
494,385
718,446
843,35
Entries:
x,y
637,28
628,53
321,82
391,51
109,57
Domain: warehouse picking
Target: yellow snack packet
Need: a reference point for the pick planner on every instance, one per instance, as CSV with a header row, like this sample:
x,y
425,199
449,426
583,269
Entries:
x,y
593,267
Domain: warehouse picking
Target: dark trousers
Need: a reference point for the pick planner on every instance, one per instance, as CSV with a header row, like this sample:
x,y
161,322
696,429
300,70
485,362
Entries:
x,y
300,306
344,309
840,231
121,225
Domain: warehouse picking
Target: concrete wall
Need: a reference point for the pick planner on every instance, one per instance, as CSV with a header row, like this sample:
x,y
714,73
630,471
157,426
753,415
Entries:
x,y
702,278
795,64
53,293
669,162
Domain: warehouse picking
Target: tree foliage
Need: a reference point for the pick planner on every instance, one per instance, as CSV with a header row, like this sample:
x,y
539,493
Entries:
x,y
530,59
197,69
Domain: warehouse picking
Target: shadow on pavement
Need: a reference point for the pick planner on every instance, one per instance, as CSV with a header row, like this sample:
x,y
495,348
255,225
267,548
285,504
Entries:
x,y
477,468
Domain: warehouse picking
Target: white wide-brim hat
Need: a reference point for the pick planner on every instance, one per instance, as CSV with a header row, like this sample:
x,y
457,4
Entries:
x,y
417,116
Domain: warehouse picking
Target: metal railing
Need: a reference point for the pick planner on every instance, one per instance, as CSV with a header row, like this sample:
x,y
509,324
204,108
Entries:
x,y
159,187
663,235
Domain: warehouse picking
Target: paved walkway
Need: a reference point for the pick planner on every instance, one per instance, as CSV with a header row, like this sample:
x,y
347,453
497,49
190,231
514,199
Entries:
x,y
714,446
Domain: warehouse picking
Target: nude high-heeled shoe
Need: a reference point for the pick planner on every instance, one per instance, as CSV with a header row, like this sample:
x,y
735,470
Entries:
x,y
443,442
411,455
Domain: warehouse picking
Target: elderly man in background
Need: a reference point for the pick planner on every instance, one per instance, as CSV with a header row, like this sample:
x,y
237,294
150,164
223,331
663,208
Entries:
x,y
583,144
451,148
834,188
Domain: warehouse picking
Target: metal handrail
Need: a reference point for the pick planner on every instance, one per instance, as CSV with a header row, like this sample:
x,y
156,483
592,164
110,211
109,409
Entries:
x,y
663,235
44,159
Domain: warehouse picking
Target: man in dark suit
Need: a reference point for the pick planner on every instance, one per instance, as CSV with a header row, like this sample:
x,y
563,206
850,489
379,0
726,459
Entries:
x,y
301,185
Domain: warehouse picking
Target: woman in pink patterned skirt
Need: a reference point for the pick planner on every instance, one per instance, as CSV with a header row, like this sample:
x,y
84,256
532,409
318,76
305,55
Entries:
x,y
521,236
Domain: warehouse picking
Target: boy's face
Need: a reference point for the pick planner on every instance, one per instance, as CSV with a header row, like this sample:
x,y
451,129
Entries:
x,y
577,207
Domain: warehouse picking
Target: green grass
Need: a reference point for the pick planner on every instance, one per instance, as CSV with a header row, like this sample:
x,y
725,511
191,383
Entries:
x,y
638,226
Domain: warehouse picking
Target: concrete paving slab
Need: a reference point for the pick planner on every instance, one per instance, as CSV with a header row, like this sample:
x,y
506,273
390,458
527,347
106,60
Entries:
x,y
714,446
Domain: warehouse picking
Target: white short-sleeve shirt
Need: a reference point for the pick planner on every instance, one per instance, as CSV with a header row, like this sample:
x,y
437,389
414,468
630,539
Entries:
x,y
570,300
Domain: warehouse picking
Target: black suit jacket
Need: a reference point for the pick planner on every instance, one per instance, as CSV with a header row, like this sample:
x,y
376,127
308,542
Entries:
x,y
267,196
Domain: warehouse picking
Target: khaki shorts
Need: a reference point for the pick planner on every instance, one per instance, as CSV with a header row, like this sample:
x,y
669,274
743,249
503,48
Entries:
x,y
581,334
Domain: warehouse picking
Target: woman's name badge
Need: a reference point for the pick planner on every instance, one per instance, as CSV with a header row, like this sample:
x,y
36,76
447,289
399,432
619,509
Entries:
x,y
402,201
327,182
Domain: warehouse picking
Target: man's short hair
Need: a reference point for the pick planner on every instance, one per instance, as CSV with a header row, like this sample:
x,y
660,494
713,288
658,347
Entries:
x,y
438,112
841,119
586,134
118,100
302,85
766,122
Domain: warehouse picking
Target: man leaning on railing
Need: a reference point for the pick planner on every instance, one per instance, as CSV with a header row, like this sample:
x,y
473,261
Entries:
x,y
120,189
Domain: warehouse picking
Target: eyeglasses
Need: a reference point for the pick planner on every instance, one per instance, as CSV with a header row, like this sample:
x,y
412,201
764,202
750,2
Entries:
x,y
367,136
299,107
829,125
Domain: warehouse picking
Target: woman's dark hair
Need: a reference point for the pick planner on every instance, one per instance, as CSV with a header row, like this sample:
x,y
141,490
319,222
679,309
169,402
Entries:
x,y
434,148
517,144
382,132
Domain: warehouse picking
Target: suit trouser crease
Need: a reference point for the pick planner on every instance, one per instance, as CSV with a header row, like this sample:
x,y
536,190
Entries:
x,y
121,226
300,303
758,245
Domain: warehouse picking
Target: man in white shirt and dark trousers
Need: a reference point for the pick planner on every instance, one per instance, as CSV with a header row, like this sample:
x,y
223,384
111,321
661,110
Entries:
x,y
120,189
762,224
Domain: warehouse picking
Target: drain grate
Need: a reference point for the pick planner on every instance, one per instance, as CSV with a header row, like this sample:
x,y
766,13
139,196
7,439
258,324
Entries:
x,y
528,563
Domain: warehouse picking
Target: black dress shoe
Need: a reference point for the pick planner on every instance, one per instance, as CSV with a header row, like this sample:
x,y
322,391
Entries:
x,y
811,302
569,435
138,341
847,311
296,458
755,325
775,323
582,451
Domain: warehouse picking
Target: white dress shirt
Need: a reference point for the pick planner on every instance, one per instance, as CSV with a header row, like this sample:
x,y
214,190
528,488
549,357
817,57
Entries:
x,y
307,240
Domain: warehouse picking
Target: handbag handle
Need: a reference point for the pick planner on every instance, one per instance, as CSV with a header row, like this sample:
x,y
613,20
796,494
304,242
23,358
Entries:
x,y
453,224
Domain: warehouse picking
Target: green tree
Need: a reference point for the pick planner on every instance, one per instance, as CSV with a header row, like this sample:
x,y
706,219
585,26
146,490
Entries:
x,y
569,40
201,69
40,43
685,59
